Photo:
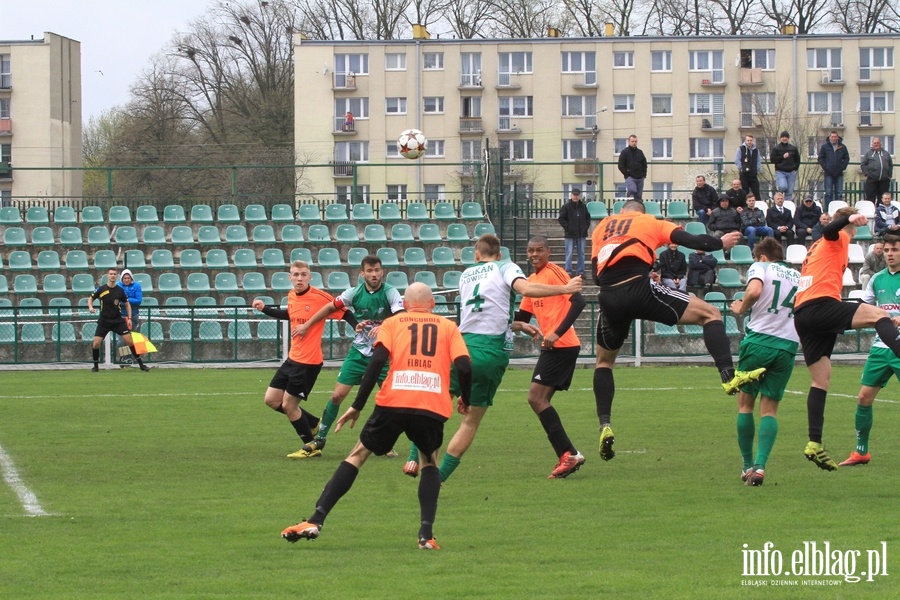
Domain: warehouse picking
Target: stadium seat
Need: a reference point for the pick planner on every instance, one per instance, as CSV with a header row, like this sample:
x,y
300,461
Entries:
x,y
254,282
695,228
456,232
651,207
216,259
25,284
4,286
33,333
795,254
180,331
389,212
467,256
444,211
182,235
98,235
355,256
440,305
209,234
174,214
836,205
59,307
417,211
42,236
617,206
228,213
92,215
471,211
126,235
245,259
134,259
236,306
414,257
48,260
267,330
729,278
597,210
176,306
264,234
717,299
336,213
54,284
146,215
203,304
76,260
155,235
741,255
375,234
291,234
65,215
105,259
678,209
151,305
483,228
226,282
255,213
720,255
849,280
309,213
63,333
504,254
866,208
402,233
237,234
152,330
302,254
84,284
388,257
856,255
197,283
19,260
315,280
37,215
282,213
190,259
272,258
346,234
665,330
863,233
329,258
281,282
10,215
87,331
169,283
338,281
145,281
70,236
398,279
239,330
363,213
201,213
14,236
318,234
430,233
426,277
30,307
731,326
119,215
442,256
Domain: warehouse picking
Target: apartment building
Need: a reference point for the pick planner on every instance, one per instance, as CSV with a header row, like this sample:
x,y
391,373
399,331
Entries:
x,y
558,105
40,118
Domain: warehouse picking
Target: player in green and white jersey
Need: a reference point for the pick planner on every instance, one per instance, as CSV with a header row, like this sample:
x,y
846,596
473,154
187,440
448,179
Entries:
x,y
372,301
487,291
882,290
771,342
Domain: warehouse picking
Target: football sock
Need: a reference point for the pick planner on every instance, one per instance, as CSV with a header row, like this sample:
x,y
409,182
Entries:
x,y
604,391
135,356
448,465
429,489
768,431
815,413
556,433
339,484
95,352
864,419
301,426
313,420
413,453
328,417
889,334
719,348
746,429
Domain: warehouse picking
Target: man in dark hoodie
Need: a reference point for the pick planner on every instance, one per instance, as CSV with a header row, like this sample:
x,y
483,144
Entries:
x,y
833,158
786,159
633,165
806,216
877,166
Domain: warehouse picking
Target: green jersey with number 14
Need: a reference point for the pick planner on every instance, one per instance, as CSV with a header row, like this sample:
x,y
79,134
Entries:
x,y
772,316
486,296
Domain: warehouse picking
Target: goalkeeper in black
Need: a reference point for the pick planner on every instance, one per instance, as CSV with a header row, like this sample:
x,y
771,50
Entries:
x,y
112,297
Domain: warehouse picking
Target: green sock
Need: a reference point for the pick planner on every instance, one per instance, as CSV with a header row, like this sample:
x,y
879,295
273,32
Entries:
x,y
413,454
448,465
864,420
768,431
328,417
746,429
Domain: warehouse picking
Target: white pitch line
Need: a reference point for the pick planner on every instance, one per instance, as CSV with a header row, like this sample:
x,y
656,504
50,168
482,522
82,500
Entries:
x,y
11,476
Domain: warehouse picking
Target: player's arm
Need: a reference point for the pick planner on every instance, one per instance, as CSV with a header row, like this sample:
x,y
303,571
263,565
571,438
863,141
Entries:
x,y
830,232
321,315
541,290
704,241
576,305
271,311
90,302
379,358
751,295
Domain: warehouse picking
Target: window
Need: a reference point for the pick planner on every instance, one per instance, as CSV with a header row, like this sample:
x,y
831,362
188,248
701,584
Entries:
x,y
662,190
661,60
812,146
468,192
358,106
5,197
6,153
471,106
578,149
514,62
865,143
433,104
623,60
878,102
579,62
758,59
5,72
516,106
433,61
661,104
358,64
344,194
395,106
619,144
395,61
824,102
758,104
396,192
435,149
700,104
434,191
391,150
662,148
828,60
4,108
352,151
519,193
623,103
470,69
579,106
708,60
470,153
517,149
621,191
707,148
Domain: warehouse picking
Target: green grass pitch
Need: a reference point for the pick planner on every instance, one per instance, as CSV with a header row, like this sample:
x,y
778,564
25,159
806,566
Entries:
x,y
174,484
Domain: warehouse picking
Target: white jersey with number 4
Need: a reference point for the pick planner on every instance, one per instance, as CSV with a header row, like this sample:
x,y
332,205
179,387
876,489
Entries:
x,y
773,313
486,295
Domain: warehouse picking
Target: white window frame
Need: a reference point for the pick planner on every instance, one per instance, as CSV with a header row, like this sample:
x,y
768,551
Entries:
x,y
395,61
661,148
662,191
435,149
623,99
432,61
700,104
434,191
515,106
358,106
395,106
760,103
587,108
829,60
469,106
660,97
5,71
433,105
585,57
830,100
707,148
665,57
391,150
343,194
762,58
509,62
625,57
578,149
345,150
619,144
712,57
887,143
524,148
873,99
394,192
4,108
355,63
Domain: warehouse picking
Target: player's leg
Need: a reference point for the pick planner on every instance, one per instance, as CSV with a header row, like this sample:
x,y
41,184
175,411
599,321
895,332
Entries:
x,y
867,315
779,367
604,385
428,434
95,351
746,431
126,336
461,440
820,373
328,417
880,366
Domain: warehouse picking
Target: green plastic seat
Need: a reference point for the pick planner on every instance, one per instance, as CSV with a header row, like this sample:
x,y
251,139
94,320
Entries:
x,y
402,233
197,283
169,283
134,259
176,306
303,254
442,256
375,234
183,235
272,258
483,228
210,331
389,212
155,235
83,283
456,232
471,211
617,206
315,280
237,234
678,209
281,282
174,214
216,259
60,307
863,234
742,255
426,277
54,284
729,278
92,215
245,259
25,284
190,259
226,282
37,215
180,331
237,307
162,259
152,330
42,236
228,213
363,213
10,215
209,234
151,305
65,215
336,213
126,235
355,256
597,210
398,279
444,211
98,235
440,305
239,330
70,236
14,236
77,260
33,333
429,233
338,281
665,330
318,234
717,299
30,308
48,260
346,234
203,306
467,256
87,331
329,258
415,257
309,213
146,215
4,289
254,282
255,213
267,330
264,234
105,260
388,257
119,215
695,228
417,211
291,234
146,282
19,260
201,213
282,213
651,207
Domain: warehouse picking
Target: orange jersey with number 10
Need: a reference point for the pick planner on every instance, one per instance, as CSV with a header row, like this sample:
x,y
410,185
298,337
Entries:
x,y
822,273
551,310
423,347
614,231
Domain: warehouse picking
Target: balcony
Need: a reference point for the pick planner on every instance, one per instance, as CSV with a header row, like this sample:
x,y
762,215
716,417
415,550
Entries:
x,y
470,81
508,81
750,77
833,77
751,120
588,82
834,120
868,76
714,122
344,81
343,168
6,82
470,170
343,127
586,167
869,120
506,125
588,126
470,125
5,127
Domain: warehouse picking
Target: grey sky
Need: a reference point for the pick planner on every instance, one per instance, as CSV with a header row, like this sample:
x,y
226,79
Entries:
x,y
117,37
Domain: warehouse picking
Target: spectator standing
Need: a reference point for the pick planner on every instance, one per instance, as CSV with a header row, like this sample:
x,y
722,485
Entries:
x,y
737,197
824,220
633,165
575,221
781,221
873,262
702,271
673,268
704,198
887,216
833,158
877,166
786,159
749,163
805,218
753,222
724,219
135,295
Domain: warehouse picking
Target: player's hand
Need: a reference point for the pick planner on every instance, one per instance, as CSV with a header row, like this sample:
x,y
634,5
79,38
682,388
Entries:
x,y
461,407
858,220
361,325
549,341
300,330
351,415
91,309
730,240
575,284
737,307
373,333
532,331
128,322
258,304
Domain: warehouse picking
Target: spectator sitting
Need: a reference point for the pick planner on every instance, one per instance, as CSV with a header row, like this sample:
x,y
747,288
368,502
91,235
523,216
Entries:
x,y
702,272
724,219
805,218
753,222
673,268
887,216
704,199
781,221
873,263
737,196
824,220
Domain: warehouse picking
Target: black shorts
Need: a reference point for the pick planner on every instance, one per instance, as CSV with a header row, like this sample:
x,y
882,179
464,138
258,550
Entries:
x,y
556,367
639,298
384,427
119,327
297,379
818,324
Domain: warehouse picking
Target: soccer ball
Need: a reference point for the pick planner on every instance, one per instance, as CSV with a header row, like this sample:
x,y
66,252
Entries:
x,y
412,144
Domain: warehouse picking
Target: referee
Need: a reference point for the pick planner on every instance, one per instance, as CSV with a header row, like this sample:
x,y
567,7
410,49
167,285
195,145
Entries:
x,y
112,297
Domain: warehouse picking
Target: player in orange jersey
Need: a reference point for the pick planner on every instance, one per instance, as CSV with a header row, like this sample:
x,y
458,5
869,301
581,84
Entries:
x,y
623,251
414,399
820,315
555,367
295,379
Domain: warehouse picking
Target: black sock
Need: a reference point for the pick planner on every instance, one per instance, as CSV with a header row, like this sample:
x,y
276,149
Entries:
x,y
313,420
556,433
339,484
301,426
429,489
604,390
95,352
135,356
719,348
889,334
279,408
815,413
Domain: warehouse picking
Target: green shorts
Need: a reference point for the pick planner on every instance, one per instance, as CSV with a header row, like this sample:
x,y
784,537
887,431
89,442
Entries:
x,y
354,366
489,362
880,366
779,365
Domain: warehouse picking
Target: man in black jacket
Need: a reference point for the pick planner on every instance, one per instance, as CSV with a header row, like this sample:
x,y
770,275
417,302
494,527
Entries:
x,y
705,199
786,159
633,165
673,268
805,218
724,219
575,221
833,158
737,196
